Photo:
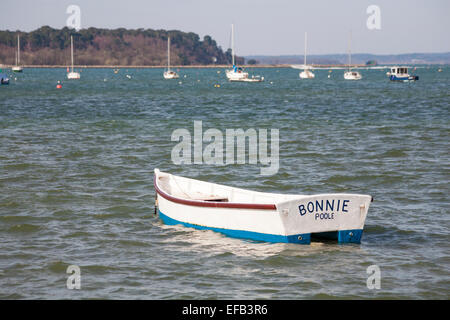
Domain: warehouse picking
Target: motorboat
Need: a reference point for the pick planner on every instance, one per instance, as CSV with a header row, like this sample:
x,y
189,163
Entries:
x,y
401,74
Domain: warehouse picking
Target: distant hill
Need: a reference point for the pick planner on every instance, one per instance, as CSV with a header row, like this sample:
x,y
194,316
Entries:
x,y
357,58
147,47
48,46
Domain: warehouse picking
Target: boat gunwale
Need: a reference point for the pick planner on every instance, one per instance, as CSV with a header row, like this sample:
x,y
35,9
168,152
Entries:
x,y
212,204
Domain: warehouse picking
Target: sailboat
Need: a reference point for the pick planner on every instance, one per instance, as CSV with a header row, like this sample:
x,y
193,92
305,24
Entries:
x,y
17,67
351,75
306,73
72,74
237,73
169,74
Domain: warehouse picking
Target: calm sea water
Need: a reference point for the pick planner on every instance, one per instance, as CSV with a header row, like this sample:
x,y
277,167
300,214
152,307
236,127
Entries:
x,y
76,170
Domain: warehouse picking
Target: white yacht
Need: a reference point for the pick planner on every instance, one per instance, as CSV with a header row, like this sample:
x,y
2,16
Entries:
x,y
349,74
237,73
306,73
72,75
17,67
169,74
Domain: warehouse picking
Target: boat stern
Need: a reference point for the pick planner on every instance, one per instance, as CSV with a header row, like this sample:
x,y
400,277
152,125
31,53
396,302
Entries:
x,y
329,216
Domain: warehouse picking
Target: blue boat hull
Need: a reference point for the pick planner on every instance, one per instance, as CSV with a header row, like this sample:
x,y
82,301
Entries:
x,y
404,79
342,236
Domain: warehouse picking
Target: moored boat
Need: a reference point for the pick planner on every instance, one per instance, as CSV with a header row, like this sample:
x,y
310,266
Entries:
x,y
3,78
401,74
306,73
238,74
17,67
349,74
169,74
72,75
259,216
352,75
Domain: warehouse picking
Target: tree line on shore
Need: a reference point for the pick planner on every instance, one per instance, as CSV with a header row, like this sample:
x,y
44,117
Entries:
x,y
93,46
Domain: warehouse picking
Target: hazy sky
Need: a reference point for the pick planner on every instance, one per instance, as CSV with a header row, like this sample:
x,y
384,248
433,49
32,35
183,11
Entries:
x,y
265,27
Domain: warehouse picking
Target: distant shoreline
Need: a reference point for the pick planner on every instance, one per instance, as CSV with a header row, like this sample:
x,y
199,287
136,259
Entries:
x,y
180,67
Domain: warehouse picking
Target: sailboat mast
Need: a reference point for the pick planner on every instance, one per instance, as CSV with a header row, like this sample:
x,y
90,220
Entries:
x,y
349,52
232,44
168,54
18,49
71,50
304,57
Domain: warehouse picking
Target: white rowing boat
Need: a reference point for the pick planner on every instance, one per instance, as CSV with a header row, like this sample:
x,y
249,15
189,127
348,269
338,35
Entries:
x,y
259,216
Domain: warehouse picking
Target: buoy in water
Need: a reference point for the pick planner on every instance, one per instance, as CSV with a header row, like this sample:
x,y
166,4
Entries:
x,y
59,85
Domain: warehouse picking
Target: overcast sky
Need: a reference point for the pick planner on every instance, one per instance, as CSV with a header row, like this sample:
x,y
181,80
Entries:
x,y
262,27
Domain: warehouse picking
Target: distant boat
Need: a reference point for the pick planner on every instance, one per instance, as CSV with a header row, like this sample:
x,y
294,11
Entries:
x,y
3,78
259,216
401,74
169,74
72,75
349,74
306,73
352,75
237,74
17,67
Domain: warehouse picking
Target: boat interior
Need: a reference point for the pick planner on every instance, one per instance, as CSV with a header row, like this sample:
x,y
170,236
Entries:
x,y
191,189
